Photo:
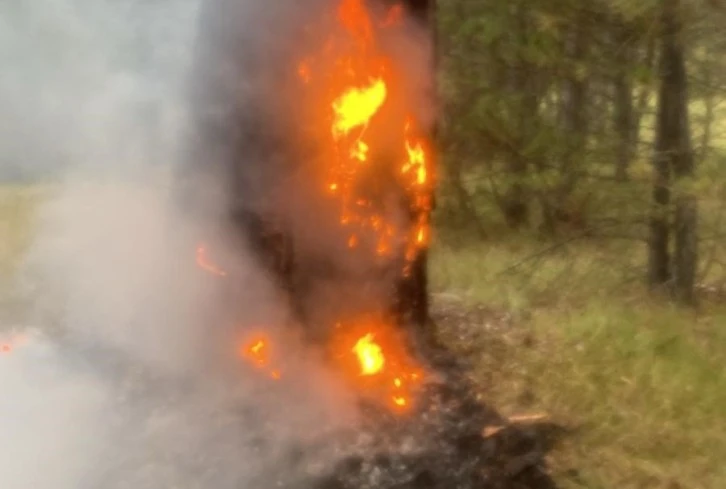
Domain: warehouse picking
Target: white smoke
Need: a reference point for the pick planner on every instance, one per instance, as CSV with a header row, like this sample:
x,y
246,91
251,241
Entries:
x,y
134,378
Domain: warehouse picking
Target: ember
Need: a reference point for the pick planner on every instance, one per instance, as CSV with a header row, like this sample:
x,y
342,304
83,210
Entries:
x,y
257,353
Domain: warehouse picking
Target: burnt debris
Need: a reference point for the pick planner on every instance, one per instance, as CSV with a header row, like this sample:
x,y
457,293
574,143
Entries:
x,y
452,441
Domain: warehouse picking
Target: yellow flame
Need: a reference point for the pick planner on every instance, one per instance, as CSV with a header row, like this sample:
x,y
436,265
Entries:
x,y
370,355
356,106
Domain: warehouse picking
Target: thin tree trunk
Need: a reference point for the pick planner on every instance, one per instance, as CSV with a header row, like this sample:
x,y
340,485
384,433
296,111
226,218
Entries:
x,y
516,198
575,124
659,272
686,206
644,95
658,253
624,113
709,106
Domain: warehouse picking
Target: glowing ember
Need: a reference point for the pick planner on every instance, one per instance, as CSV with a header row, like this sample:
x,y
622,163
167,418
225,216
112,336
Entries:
x,y
206,265
374,357
257,352
369,355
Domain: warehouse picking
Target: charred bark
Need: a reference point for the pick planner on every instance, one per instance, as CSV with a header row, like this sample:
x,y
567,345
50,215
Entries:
x,y
242,140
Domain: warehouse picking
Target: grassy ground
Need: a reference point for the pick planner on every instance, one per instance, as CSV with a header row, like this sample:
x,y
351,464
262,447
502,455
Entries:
x,y
642,383
570,333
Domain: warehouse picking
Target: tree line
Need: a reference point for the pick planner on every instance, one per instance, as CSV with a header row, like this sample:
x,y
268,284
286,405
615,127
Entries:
x,y
595,119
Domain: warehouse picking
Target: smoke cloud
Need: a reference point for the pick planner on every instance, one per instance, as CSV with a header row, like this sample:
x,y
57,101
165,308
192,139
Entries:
x,y
131,375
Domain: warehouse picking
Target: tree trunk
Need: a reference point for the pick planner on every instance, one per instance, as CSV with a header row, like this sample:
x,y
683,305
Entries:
x,y
516,199
623,106
708,102
686,215
673,154
644,93
575,124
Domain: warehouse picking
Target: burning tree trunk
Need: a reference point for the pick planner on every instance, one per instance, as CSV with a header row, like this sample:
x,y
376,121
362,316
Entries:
x,y
338,128
317,120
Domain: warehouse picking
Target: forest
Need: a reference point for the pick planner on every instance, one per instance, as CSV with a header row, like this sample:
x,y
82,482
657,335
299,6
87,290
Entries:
x,y
581,215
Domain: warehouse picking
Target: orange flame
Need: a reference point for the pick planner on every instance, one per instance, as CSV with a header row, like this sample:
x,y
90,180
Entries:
x,y
358,82
364,126
257,352
376,360
354,17
394,16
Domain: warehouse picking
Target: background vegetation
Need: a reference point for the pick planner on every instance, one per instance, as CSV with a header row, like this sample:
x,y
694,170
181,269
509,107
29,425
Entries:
x,y
579,262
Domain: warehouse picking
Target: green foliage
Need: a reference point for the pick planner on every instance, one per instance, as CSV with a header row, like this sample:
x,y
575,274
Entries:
x,y
532,115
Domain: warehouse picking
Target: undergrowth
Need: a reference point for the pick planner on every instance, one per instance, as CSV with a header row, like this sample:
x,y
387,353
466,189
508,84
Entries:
x,y
641,383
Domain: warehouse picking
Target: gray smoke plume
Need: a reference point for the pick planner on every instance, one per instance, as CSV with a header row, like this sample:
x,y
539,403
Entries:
x,y
131,374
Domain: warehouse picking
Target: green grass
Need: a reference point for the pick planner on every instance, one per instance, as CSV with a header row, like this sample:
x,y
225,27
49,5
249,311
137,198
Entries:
x,y
642,383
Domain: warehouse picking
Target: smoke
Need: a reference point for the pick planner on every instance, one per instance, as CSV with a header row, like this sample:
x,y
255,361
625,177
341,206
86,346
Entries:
x,y
132,376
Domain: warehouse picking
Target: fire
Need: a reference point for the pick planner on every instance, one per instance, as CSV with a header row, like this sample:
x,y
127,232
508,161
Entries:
x,y
370,355
356,107
257,352
395,13
359,82
375,360
354,17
